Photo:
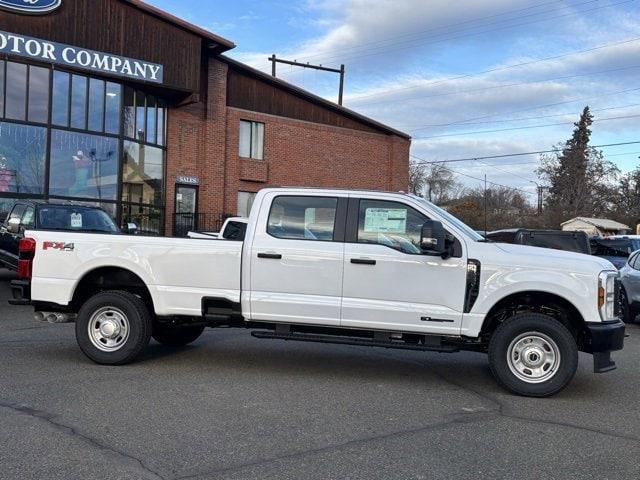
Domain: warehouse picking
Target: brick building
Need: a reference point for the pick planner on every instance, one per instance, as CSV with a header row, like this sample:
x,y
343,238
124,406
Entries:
x,y
128,107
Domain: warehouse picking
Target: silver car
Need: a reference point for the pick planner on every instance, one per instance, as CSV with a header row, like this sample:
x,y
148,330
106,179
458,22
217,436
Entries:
x,y
630,291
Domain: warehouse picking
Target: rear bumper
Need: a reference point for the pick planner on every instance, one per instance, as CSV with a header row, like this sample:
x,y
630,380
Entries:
x,y
600,340
21,292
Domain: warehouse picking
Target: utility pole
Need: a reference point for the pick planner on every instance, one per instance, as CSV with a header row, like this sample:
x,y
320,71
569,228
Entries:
x,y
540,193
274,61
485,204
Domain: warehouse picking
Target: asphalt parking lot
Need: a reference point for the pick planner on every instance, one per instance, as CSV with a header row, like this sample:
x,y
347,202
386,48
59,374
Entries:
x,y
234,407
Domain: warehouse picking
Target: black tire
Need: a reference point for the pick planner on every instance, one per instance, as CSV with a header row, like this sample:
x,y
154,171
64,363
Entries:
x,y
559,344
176,336
625,309
129,345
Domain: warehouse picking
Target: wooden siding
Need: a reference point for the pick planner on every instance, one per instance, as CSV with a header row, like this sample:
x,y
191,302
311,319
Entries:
x,y
113,26
250,93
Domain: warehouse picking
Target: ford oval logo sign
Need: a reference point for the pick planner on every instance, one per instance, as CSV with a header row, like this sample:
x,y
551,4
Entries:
x,y
30,6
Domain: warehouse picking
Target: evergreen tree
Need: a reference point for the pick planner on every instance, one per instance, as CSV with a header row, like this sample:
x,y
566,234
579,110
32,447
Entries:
x,y
578,176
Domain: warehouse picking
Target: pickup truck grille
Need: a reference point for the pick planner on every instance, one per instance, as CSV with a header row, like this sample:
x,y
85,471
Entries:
x,y
617,310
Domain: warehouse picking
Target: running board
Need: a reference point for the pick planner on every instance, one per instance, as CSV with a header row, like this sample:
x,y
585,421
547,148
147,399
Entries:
x,y
365,342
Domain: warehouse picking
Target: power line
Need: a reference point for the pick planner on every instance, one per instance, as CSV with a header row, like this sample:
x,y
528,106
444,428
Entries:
x,y
464,35
480,132
496,87
419,34
522,119
536,107
519,154
536,162
475,178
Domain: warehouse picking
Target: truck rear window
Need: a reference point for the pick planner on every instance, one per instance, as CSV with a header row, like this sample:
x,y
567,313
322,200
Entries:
x,y
75,219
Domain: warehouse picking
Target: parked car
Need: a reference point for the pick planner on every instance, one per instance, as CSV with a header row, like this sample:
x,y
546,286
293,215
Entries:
x,y
615,248
557,239
334,266
50,216
234,228
630,290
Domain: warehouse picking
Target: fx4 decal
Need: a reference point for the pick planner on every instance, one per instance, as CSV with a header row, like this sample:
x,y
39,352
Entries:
x,y
63,247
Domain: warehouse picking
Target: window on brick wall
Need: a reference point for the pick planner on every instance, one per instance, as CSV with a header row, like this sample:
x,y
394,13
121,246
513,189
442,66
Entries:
x,y
251,140
245,202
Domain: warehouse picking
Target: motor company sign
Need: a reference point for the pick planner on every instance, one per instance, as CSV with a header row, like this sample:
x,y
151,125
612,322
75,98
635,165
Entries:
x,y
36,7
77,57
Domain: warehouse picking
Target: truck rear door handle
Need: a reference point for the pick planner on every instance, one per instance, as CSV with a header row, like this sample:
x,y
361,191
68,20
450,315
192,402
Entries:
x,y
271,256
363,261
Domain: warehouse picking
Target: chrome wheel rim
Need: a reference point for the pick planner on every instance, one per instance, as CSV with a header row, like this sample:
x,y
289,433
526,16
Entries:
x,y
108,329
533,357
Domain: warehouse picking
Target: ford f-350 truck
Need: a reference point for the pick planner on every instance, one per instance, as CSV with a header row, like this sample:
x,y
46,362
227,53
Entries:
x,y
334,266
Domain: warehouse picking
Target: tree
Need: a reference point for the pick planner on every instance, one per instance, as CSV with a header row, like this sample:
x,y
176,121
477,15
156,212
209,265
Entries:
x,y
629,198
433,181
505,208
580,180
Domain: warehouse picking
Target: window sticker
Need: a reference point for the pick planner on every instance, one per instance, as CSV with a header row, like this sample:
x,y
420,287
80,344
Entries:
x,y
385,220
76,220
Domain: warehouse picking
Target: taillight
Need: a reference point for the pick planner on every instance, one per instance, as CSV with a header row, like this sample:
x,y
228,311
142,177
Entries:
x,y
26,252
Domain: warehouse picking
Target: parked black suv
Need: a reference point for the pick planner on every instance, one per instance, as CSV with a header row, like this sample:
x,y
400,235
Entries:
x,y
557,239
41,215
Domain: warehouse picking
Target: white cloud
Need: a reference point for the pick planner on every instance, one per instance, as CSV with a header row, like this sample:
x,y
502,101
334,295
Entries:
x,y
396,74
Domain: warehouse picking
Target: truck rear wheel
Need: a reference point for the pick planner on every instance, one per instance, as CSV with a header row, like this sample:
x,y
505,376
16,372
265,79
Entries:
x,y
176,336
113,327
533,355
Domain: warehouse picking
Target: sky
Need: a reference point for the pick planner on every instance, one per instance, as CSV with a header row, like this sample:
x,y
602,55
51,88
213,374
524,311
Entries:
x,y
465,78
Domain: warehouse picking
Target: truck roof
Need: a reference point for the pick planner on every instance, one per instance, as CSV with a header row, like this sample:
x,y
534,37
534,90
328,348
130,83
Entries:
x,y
332,189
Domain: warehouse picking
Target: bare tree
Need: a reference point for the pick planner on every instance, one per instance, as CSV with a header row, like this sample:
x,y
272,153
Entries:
x,y
433,181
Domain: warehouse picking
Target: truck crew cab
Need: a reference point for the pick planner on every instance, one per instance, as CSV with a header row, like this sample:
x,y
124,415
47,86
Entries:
x,y
335,266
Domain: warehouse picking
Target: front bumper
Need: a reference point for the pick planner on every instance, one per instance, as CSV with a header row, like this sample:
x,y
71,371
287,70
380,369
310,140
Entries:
x,y
600,340
21,292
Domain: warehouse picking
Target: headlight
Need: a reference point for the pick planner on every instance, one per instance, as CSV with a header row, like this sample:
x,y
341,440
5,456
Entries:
x,y
607,295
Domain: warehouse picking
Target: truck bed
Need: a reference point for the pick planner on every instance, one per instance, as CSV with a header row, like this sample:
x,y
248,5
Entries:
x,y
177,272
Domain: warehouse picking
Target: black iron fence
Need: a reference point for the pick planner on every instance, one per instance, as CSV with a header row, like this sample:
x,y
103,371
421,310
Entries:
x,y
184,223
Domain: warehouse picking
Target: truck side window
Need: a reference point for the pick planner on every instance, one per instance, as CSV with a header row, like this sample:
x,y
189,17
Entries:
x,y
235,231
17,212
28,218
391,224
303,218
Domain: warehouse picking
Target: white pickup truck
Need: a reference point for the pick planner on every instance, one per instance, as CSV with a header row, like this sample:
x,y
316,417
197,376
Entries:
x,y
334,266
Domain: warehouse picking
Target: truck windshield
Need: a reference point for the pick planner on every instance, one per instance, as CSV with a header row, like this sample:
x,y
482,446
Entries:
x,y
470,232
63,217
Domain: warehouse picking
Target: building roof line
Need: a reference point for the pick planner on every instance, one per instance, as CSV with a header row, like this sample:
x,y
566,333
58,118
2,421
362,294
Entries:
x,y
224,43
599,223
312,97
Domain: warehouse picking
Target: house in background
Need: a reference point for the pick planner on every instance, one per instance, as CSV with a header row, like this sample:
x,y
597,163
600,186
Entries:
x,y
601,227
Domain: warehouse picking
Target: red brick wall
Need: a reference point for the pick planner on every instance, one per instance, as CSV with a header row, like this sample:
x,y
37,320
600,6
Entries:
x,y
203,142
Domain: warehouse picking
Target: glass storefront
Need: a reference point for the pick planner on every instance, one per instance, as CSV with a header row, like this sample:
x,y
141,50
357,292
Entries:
x,y
79,138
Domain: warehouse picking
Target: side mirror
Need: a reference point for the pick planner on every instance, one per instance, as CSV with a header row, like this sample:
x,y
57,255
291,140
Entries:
x,y
13,225
432,239
131,229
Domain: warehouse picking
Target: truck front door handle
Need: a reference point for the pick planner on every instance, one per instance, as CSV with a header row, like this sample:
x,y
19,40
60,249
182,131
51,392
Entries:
x,y
363,261
271,256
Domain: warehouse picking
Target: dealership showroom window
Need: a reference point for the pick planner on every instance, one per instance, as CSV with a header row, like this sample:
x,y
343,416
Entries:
x,y
73,137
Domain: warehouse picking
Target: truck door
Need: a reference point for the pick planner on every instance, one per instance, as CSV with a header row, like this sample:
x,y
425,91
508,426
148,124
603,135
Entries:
x,y
9,241
296,260
388,283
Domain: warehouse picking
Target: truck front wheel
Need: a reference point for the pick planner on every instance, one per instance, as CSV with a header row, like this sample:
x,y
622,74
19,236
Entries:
x,y
113,327
533,355
176,336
